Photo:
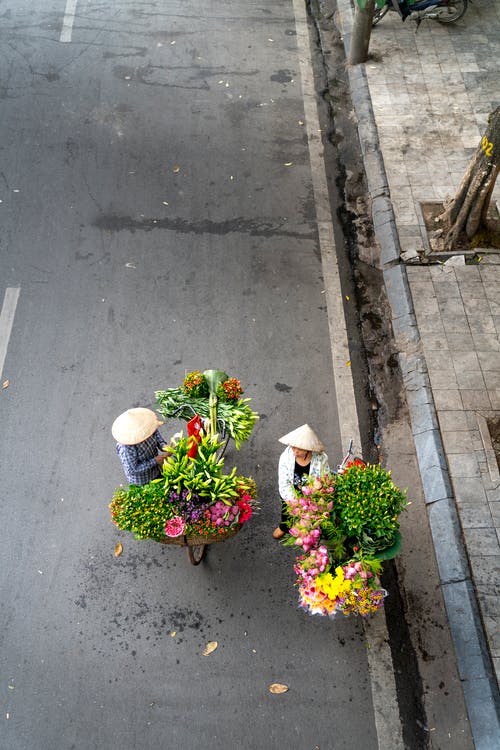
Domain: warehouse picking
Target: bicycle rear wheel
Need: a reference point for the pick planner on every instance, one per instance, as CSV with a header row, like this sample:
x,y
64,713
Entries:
x,y
453,11
196,553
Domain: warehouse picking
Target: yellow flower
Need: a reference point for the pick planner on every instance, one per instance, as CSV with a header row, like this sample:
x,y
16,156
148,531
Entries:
x,y
334,587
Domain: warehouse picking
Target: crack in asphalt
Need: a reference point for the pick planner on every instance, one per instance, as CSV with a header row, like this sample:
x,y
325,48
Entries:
x,y
115,223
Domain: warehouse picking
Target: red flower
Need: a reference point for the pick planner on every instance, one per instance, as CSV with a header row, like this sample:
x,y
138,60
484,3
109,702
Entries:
x,y
355,462
245,511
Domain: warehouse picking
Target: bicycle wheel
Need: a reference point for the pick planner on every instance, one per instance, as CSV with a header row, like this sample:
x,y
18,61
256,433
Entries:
x,y
196,553
453,11
379,14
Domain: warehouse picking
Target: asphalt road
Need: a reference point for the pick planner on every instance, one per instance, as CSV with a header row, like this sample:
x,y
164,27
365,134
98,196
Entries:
x,y
157,216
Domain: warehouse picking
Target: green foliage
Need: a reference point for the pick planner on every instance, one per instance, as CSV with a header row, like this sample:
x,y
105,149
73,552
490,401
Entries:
x,y
368,504
237,417
333,538
144,509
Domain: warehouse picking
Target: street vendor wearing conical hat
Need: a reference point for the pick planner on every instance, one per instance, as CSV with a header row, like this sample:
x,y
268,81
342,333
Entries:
x,y
304,456
139,444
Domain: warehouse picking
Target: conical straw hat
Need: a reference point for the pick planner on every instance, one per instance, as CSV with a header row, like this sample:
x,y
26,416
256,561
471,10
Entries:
x,y
135,425
303,437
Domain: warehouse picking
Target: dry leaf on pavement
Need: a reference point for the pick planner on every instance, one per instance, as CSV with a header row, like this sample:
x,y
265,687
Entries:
x,y
5,383
277,688
118,549
211,646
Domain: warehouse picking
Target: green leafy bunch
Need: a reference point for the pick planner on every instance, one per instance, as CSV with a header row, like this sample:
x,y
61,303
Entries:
x,y
142,509
202,475
205,394
368,504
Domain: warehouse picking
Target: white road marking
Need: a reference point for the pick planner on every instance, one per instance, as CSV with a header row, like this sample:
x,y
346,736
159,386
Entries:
x,y
383,684
69,17
6,320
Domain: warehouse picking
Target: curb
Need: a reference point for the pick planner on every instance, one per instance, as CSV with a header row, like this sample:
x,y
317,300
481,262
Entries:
x,y
480,688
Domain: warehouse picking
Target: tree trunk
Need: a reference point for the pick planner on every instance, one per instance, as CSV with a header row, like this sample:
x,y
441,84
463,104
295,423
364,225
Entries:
x,y
466,214
361,33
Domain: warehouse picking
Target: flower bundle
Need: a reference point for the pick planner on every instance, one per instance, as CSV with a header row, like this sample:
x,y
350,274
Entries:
x,y
343,523
193,497
214,396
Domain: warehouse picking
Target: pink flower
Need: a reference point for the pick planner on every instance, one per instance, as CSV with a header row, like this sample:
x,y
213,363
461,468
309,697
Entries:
x,y
175,526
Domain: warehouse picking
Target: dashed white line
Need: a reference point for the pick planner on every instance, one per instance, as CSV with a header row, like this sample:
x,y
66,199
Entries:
x,y
69,18
6,320
383,683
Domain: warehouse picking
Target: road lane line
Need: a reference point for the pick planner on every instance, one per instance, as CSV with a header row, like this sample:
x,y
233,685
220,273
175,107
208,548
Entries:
x,y
6,320
382,680
69,17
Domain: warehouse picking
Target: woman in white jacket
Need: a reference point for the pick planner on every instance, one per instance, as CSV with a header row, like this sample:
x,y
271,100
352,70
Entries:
x,y
304,456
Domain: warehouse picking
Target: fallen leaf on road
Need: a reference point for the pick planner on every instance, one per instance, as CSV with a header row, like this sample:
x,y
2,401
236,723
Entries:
x,y
176,169
118,549
348,363
173,633
288,163
5,383
278,688
209,648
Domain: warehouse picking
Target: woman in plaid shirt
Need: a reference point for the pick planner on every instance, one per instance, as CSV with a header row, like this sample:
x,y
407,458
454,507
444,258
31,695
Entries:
x,y
139,444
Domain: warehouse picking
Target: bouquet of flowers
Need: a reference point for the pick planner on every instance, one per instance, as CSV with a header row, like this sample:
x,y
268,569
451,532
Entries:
x,y
214,396
192,498
345,524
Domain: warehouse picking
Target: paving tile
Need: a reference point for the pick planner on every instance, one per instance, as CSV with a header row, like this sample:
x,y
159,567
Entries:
x,y
469,490
463,465
465,360
456,442
430,324
447,400
489,360
451,306
473,516
492,380
481,541
460,342
485,342
443,379
486,574
470,380
453,421
495,398
474,400
455,323
481,323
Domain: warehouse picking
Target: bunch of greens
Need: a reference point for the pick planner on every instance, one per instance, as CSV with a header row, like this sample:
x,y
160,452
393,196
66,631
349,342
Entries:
x,y
189,488
367,504
214,396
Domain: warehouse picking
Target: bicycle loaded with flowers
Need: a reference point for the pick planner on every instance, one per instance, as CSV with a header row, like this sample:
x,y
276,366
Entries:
x,y
346,524
194,501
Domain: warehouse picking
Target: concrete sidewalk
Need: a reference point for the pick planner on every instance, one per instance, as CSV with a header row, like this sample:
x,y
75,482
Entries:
x,y
422,103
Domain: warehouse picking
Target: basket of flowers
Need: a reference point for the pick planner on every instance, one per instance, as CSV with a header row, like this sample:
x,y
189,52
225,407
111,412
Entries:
x,y
193,503
345,525
216,398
